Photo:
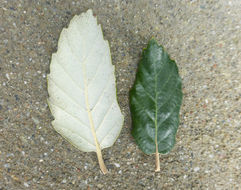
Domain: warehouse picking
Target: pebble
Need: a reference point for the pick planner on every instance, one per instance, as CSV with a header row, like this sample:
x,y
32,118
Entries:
x,y
7,75
196,169
117,165
26,184
35,120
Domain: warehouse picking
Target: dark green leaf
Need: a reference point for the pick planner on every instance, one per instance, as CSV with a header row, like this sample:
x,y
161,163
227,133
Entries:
x,y
155,101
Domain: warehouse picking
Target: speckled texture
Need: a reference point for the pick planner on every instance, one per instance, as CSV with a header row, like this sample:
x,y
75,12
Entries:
x,y
204,37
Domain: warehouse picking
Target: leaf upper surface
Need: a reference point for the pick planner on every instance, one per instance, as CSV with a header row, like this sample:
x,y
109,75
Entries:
x,y
155,101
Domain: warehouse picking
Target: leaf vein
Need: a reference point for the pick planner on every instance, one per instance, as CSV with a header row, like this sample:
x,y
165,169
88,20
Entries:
x,y
166,82
102,121
149,95
80,136
73,100
102,93
169,97
148,114
74,117
96,72
68,74
106,135
167,117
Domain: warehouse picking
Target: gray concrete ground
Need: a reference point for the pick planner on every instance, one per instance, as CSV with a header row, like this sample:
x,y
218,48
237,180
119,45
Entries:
x,y
204,37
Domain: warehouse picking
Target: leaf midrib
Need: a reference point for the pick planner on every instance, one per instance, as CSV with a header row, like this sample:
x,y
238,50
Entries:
x,y
98,148
83,65
92,128
156,129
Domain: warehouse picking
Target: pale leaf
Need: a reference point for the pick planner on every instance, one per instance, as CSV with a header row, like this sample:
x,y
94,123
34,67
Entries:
x,y
82,89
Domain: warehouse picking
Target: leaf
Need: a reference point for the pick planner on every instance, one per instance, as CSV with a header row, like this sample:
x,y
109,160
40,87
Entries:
x,y
155,101
82,88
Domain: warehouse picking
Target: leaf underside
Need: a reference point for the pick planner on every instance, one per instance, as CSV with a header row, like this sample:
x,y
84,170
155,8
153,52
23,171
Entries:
x,y
81,86
155,101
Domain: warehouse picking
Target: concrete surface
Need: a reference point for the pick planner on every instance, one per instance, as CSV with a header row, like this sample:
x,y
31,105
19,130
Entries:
x,y
204,37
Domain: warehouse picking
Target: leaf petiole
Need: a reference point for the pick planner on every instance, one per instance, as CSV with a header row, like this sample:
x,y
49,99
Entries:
x,y
101,161
157,161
